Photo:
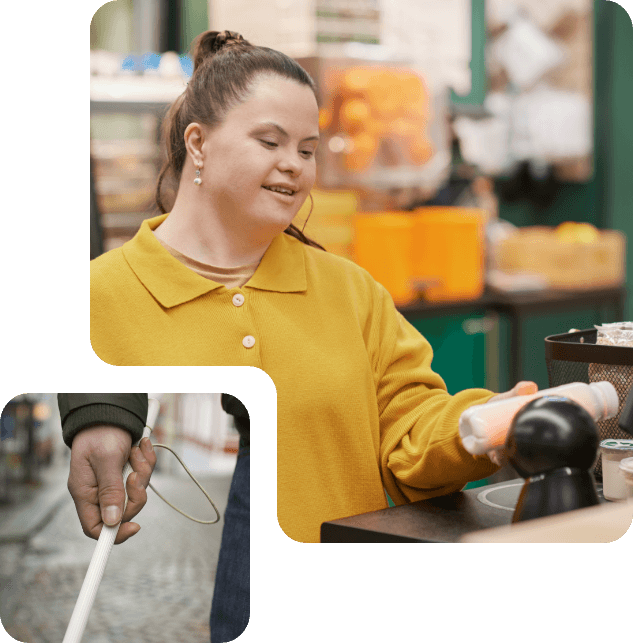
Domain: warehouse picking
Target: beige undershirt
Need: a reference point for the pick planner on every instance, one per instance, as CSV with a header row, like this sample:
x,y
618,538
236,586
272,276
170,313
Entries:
x,y
229,277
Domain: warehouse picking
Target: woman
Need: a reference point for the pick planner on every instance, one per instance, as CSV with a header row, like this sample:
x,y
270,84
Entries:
x,y
225,279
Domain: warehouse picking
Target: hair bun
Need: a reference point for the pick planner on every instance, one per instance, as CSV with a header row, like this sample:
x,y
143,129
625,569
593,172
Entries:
x,y
210,42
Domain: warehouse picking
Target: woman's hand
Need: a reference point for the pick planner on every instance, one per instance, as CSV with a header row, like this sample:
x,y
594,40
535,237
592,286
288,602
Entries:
x,y
498,455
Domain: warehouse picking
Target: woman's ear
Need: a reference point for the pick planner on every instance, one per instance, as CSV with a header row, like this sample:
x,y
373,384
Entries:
x,y
194,138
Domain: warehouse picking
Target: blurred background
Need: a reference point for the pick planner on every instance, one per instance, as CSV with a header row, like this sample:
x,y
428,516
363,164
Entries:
x,y
171,562
475,155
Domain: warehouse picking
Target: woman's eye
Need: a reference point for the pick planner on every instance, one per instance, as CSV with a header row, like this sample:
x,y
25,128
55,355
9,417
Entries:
x,y
275,145
270,143
308,153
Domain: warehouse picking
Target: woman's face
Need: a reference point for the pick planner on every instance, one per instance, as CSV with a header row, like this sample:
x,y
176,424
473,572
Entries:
x,y
268,140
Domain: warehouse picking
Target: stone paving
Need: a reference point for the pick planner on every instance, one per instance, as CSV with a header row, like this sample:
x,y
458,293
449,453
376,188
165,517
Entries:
x,y
157,586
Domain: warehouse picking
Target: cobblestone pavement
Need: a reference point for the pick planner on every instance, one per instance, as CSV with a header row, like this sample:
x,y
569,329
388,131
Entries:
x,y
157,586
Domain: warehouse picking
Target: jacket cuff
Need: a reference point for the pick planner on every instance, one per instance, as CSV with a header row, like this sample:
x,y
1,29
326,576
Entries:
x,y
94,414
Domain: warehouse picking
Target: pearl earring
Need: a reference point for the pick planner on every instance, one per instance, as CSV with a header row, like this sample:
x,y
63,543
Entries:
x,y
197,180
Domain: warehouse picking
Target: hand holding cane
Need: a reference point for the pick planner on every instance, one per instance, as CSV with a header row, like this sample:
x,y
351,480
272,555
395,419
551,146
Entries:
x,y
106,540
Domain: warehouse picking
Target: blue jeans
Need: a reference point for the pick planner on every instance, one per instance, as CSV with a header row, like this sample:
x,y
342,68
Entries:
x,y
230,609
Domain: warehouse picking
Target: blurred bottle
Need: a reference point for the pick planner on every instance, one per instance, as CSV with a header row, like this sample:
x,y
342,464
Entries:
x,y
484,427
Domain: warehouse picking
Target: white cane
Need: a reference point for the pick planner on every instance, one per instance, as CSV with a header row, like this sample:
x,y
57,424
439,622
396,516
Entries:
x,y
91,583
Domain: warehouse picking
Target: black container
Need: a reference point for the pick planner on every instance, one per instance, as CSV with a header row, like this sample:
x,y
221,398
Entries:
x,y
552,443
575,357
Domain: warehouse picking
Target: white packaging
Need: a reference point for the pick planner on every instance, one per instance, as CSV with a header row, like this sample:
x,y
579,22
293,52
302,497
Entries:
x,y
618,334
484,427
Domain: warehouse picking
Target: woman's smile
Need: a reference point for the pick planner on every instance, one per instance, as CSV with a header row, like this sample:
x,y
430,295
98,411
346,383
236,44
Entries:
x,y
283,196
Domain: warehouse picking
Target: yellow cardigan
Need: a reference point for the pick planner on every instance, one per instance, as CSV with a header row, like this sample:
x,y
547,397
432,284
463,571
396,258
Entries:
x,y
359,408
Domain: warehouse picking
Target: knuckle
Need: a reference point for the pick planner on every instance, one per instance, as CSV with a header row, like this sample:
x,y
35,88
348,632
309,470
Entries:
x,y
133,483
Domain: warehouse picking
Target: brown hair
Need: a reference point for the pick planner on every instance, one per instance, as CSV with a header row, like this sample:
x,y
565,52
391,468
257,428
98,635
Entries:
x,y
225,66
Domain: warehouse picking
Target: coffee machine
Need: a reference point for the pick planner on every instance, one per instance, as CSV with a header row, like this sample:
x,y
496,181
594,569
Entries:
x,y
552,443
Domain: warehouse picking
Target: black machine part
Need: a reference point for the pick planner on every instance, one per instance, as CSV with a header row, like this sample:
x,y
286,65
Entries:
x,y
552,443
625,421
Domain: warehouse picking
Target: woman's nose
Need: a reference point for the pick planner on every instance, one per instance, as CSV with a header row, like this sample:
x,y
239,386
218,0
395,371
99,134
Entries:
x,y
289,163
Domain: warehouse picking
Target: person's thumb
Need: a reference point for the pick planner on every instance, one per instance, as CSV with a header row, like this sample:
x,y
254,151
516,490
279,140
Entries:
x,y
525,388
522,388
111,494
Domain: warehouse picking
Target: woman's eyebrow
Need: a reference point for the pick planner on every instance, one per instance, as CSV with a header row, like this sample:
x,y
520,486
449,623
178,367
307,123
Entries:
x,y
283,132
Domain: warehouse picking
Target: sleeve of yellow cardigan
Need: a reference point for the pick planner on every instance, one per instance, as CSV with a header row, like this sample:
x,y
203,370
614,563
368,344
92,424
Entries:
x,y
420,449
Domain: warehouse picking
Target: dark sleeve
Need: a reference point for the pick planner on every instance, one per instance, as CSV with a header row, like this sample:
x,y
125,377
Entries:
x,y
80,410
234,407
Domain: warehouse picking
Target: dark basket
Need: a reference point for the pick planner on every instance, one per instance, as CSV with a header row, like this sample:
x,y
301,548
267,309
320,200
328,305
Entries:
x,y
575,357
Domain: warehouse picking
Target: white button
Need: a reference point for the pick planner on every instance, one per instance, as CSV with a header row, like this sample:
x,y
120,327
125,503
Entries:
x,y
248,341
238,299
